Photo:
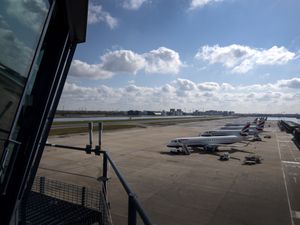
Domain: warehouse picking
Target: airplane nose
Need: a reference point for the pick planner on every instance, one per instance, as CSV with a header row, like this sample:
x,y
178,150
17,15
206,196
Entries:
x,y
170,144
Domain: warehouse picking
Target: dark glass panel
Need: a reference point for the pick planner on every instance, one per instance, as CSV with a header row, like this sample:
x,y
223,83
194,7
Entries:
x,y
21,24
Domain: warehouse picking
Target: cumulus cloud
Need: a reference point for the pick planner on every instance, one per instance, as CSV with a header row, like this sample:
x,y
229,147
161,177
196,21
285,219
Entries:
x,y
133,4
122,61
85,93
92,71
184,87
209,86
14,53
31,13
162,60
158,61
292,83
183,93
96,14
241,59
196,4
168,88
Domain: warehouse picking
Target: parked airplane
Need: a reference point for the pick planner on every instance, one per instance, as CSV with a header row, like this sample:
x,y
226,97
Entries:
x,y
242,132
260,126
207,143
255,121
240,124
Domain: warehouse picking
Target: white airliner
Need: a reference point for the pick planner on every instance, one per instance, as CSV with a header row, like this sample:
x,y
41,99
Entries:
x,y
240,124
255,121
260,126
242,132
207,143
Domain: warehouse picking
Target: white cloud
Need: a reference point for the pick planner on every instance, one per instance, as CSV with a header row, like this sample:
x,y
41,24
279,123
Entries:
x,y
196,4
122,61
133,4
241,59
131,82
92,71
208,86
162,60
14,53
184,85
158,61
31,13
168,89
183,93
96,14
292,83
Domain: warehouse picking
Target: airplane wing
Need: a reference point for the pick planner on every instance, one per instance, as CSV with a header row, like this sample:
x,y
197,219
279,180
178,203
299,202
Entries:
x,y
211,147
243,144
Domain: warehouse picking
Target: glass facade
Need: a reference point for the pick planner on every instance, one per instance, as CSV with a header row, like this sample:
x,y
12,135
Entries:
x,y
21,24
38,39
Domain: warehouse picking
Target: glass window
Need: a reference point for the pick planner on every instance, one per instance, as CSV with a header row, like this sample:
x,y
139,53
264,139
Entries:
x,y
21,24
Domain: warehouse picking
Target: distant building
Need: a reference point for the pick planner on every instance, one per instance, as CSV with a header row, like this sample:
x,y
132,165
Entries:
x,y
213,113
134,113
157,113
172,112
152,113
178,112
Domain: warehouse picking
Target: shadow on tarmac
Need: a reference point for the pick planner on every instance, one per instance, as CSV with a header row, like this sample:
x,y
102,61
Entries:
x,y
201,151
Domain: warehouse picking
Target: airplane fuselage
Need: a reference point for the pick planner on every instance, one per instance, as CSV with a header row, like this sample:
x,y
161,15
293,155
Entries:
x,y
237,127
229,132
203,141
236,124
221,133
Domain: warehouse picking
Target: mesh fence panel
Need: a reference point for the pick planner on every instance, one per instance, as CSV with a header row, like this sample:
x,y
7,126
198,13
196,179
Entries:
x,y
56,202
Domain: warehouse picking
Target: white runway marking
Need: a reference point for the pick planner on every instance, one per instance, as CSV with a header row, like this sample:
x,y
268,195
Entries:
x,y
285,185
291,162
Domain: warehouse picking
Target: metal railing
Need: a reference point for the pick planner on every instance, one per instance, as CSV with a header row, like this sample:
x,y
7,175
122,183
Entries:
x,y
56,202
134,206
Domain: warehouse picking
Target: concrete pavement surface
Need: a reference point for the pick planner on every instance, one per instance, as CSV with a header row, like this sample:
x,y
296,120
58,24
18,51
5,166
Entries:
x,y
188,189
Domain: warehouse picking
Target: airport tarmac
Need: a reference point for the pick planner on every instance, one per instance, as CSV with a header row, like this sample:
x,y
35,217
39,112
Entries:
x,y
189,189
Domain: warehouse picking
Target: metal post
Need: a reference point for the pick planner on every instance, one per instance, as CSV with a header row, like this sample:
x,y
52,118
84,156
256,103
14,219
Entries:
x,y
100,134
104,173
42,185
91,134
131,210
83,196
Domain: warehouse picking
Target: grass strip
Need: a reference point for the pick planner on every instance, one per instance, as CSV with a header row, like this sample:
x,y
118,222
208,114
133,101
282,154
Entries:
x,y
116,125
139,120
74,130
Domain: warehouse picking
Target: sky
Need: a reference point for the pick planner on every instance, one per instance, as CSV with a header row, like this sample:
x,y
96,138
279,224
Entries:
x,y
237,55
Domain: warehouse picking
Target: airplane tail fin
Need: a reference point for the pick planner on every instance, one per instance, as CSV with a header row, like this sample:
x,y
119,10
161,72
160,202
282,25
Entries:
x,y
245,130
260,126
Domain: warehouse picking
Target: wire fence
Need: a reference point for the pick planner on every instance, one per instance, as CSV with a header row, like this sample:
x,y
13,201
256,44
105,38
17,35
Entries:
x,y
55,202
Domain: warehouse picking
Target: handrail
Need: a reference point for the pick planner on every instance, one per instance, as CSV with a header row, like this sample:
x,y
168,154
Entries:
x,y
117,172
141,212
133,203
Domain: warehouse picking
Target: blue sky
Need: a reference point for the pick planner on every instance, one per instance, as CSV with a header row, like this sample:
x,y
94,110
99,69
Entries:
x,y
192,54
